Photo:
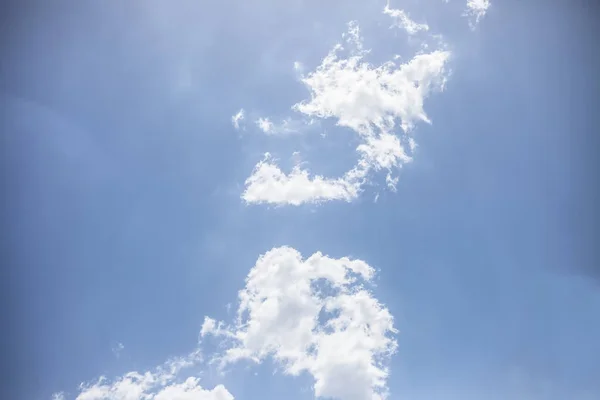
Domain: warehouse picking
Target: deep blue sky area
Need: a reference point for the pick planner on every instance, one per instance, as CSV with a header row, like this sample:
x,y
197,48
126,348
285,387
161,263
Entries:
x,y
122,221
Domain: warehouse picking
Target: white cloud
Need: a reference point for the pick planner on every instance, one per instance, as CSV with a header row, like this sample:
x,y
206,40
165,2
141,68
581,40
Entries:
x,y
476,10
287,126
402,20
265,125
412,145
117,349
163,383
313,316
370,100
237,118
383,151
191,390
268,184
363,97
354,39
391,182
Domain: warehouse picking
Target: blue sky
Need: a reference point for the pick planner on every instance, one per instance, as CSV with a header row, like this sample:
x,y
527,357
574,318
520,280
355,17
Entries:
x,y
131,213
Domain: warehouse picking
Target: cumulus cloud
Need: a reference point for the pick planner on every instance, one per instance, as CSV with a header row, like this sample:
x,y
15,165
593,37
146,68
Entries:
x,y
366,98
402,20
237,118
313,316
163,383
371,101
269,184
476,10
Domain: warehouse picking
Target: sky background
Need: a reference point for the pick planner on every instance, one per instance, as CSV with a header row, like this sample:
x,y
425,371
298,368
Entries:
x,y
123,224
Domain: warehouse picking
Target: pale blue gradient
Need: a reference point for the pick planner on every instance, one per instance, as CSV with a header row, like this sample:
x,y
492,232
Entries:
x,y
123,220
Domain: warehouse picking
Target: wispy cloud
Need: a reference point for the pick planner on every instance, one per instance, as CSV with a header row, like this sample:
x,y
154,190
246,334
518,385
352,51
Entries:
x,y
237,118
402,20
265,125
285,127
476,10
117,349
162,383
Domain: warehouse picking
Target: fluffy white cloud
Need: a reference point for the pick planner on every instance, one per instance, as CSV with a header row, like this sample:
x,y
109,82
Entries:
x,y
237,118
313,316
161,384
365,98
268,184
371,101
402,20
476,10
191,390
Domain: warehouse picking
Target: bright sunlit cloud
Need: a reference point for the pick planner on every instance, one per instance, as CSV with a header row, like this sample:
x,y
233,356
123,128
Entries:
x,y
370,100
313,315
